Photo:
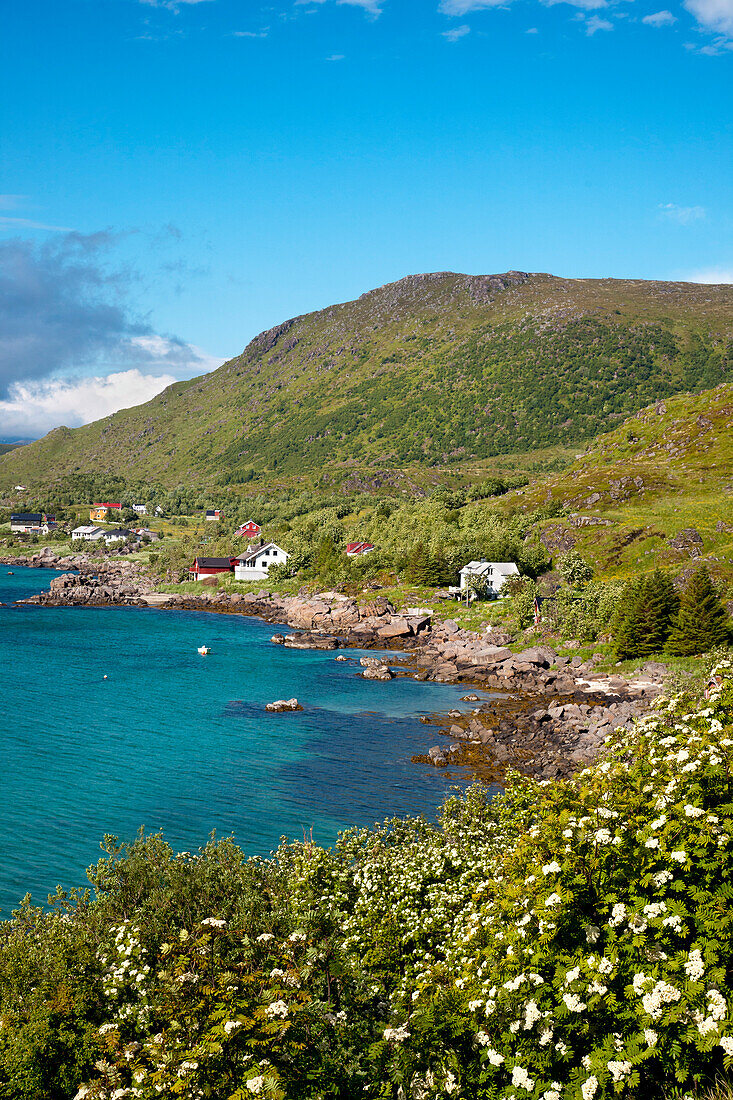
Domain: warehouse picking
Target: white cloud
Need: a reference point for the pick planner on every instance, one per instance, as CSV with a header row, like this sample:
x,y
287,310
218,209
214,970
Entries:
x,y
371,7
660,19
162,354
595,23
457,32
28,223
712,275
336,57
19,202
713,15
251,34
532,30
463,7
683,215
34,408
172,5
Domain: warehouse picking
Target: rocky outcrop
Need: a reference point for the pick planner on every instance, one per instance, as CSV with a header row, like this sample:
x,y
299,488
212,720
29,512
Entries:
x,y
105,584
280,706
376,669
688,542
546,741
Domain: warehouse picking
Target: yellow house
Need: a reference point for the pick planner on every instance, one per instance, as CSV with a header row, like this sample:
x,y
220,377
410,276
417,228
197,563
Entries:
x,y
99,512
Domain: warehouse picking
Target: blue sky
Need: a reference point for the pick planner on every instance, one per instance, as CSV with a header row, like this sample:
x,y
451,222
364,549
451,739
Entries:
x,y
177,176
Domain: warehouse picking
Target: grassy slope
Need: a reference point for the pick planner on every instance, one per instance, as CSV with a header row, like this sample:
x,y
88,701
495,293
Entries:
x,y
430,370
666,469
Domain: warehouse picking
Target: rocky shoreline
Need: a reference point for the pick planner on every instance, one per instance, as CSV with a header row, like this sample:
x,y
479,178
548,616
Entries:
x,y
546,715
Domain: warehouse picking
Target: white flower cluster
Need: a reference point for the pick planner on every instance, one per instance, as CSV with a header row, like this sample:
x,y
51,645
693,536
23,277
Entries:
x,y
396,1034
694,966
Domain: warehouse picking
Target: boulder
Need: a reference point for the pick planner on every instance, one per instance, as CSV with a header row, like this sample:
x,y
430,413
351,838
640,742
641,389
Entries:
x,y
380,672
437,757
397,628
309,641
534,656
490,655
281,705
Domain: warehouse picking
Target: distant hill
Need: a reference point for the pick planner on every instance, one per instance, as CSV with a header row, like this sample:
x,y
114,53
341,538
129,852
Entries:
x,y
434,369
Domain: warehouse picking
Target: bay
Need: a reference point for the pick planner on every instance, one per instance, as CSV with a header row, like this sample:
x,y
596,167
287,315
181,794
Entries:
x,y
177,742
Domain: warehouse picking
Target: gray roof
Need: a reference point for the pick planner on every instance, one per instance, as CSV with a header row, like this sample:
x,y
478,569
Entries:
x,y
251,555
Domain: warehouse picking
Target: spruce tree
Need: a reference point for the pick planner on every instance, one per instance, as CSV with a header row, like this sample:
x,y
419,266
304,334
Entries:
x,y
702,622
626,625
644,620
660,607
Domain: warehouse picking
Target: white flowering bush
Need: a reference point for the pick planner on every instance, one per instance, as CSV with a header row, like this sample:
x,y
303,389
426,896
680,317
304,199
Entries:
x,y
565,941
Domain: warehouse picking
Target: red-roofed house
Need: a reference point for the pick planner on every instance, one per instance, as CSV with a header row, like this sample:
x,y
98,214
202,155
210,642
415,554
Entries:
x,y
209,567
355,549
249,530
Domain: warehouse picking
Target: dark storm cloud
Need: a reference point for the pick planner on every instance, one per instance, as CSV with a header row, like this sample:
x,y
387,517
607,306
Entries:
x,y
62,310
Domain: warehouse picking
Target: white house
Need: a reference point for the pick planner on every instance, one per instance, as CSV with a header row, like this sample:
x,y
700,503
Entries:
x,y
118,535
141,509
28,523
254,565
493,573
87,533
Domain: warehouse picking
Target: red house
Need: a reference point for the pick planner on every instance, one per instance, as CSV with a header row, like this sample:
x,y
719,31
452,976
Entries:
x,y
209,567
354,549
249,530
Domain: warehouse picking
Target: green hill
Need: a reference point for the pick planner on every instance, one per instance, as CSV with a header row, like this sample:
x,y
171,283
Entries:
x,y
658,490
435,369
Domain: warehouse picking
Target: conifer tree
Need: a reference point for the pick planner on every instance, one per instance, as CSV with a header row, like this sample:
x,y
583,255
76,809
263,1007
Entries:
x,y
660,607
648,608
627,623
702,622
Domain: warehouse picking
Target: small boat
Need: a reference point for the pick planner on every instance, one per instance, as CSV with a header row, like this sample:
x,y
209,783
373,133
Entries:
x,y
203,650
11,573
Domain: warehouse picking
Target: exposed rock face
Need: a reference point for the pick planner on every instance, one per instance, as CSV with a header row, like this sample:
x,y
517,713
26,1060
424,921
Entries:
x,y
688,541
557,539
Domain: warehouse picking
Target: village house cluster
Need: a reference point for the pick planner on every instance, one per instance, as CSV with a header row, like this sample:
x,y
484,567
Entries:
x,y
31,523
252,565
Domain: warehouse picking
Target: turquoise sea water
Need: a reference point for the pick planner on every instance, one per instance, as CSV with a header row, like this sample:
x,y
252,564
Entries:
x,y
179,742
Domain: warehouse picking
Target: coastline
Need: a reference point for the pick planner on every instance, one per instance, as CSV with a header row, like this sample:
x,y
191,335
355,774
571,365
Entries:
x,y
548,717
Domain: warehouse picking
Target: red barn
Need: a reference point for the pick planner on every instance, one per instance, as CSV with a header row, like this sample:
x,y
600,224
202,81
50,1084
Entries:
x,y
209,567
249,530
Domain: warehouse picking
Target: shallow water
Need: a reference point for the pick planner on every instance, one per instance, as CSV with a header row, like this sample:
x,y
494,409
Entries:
x,y
175,741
